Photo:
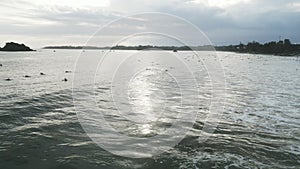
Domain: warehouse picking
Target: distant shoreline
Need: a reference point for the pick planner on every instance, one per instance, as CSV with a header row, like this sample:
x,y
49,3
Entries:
x,y
280,48
74,47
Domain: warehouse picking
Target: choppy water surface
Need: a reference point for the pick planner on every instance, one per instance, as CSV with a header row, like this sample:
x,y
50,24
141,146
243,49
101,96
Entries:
x,y
259,128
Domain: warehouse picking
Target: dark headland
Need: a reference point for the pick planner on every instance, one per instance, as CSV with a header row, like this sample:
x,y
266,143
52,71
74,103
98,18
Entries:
x,y
281,48
15,47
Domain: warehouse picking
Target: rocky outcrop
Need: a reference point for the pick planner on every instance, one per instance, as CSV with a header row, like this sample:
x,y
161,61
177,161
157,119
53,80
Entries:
x,y
11,46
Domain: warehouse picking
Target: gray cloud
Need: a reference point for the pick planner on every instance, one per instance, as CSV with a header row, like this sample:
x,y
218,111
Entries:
x,y
244,21
256,20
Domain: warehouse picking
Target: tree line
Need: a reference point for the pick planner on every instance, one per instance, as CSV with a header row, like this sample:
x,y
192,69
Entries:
x,y
281,47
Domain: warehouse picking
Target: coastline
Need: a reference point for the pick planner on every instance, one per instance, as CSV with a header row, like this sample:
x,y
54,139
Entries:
x,y
280,48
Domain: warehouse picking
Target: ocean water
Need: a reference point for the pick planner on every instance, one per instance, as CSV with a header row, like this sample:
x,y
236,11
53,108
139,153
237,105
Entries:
x,y
43,126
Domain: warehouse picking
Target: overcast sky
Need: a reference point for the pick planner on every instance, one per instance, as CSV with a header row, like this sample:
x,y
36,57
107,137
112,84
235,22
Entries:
x,y
57,22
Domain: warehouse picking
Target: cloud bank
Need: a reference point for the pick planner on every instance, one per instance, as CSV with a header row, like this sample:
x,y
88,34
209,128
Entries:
x,y
44,22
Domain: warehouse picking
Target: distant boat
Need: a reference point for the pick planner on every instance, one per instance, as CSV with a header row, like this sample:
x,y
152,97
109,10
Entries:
x,y
42,73
8,79
174,50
